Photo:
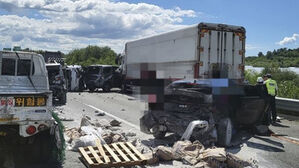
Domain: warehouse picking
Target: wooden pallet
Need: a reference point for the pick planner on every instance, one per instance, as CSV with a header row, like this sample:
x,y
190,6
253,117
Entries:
x,y
112,155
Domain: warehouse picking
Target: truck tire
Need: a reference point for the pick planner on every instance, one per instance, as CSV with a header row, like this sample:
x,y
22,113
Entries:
x,y
123,88
224,132
106,87
63,99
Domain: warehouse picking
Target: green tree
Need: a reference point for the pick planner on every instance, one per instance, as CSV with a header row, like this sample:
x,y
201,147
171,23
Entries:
x,y
260,54
91,55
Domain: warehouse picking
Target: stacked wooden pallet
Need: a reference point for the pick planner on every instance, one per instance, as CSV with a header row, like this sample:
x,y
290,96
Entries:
x,y
119,154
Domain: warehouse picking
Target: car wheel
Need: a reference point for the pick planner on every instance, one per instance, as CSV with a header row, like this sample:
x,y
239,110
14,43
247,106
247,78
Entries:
x,y
224,132
106,87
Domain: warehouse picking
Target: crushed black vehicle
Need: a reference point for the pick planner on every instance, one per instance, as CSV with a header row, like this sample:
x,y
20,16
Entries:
x,y
102,76
196,109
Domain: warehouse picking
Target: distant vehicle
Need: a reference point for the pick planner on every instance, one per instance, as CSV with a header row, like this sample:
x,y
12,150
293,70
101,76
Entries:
x,y
102,76
74,76
26,125
57,82
206,52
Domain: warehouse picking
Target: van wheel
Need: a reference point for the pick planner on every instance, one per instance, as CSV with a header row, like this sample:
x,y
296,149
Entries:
x,y
106,87
224,132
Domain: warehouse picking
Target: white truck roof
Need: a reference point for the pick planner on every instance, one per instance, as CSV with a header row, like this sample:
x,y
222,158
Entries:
x,y
17,82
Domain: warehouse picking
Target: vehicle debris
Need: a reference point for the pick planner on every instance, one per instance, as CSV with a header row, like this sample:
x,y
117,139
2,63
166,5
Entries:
x,y
66,119
199,124
100,113
115,123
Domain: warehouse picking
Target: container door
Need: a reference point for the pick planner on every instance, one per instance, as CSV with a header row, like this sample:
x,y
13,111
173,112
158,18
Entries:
x,y
221,54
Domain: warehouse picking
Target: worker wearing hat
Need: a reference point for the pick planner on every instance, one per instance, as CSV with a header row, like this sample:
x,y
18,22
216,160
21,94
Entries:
x,y
260,81
272,92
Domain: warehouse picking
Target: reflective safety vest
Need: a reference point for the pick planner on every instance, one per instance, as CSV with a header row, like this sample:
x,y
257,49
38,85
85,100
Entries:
x,y
271,86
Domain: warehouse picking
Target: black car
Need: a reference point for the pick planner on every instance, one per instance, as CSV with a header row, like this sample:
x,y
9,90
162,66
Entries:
x,y
102,76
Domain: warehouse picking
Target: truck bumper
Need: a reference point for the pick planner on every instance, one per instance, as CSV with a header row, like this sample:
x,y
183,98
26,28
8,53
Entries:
x,y
20,129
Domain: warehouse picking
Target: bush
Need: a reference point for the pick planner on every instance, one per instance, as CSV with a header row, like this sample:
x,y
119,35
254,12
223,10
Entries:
x,y
251,76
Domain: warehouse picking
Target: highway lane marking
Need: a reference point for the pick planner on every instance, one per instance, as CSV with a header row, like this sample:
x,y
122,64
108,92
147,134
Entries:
x,y
287,138
296,139
113,116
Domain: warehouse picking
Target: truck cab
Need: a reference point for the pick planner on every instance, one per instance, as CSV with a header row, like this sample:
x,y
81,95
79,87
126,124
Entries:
x,y
25,105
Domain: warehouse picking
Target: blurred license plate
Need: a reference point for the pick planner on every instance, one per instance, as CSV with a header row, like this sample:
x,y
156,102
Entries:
x,y
30,101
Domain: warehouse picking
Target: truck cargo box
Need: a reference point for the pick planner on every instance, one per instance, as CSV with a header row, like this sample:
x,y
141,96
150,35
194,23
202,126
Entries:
x,y
202,51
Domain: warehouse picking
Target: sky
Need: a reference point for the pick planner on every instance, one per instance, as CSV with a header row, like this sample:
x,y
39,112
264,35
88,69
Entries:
x,y
65,25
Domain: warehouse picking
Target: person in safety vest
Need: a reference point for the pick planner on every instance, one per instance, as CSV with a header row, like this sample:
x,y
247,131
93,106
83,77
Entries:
x,y
272,92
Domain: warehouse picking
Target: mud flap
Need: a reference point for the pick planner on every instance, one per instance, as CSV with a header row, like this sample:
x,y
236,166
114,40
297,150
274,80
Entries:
x,y
57,132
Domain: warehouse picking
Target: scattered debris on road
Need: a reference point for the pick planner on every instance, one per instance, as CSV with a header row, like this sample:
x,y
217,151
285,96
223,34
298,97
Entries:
x,y
196,155
100,113
115,123
91,136
66,119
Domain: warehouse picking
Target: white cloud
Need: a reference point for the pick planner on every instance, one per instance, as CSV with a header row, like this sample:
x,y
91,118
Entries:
x,y
288,40
68,24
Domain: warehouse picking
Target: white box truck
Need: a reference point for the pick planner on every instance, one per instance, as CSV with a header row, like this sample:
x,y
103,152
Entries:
x,y
202,51
196,73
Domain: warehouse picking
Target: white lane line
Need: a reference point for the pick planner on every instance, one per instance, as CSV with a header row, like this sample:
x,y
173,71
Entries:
x,y
296,139
113,116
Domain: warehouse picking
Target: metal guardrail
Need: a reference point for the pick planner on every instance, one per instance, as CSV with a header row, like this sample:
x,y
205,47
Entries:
x,y
287,104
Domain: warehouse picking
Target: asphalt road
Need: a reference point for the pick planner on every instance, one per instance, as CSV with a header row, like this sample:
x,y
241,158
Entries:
x,y
269,152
